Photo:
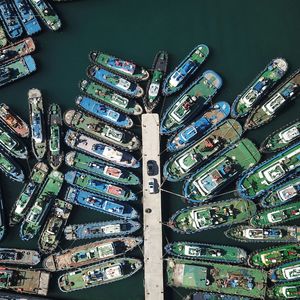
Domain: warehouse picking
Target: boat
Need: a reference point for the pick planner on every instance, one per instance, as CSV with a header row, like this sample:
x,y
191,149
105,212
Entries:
x,y
94,184
27,17
29,191
3,39
91,201
37,123
13,121
276,215
261,85
115,82
125,68
16,69
46,13
214,176
216,277
94,166
13,296
153,90
37,213
286,290
277,234
190,102
103,112
99,274
90,253
212,117
10,167
17,50
28,281
101,229
19,257
10,20
214,215
271,172
185,70
282,138
281,194
55,153
90,146
274,103
2,218
109,97
198,251
54,227
12,145
286,272
97,129
274,256
212,296
181,165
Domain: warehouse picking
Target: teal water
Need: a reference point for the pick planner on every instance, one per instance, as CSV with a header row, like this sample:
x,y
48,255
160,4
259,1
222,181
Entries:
x,y
243,37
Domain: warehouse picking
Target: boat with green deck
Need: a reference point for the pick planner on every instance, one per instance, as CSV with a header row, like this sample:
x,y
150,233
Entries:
x,y
212,296
10,167
286,272
287,290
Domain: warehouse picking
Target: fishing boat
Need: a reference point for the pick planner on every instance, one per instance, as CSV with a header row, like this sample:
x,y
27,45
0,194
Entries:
x,y
190,102
287,290
19,256
37,213
261,85
125,68
54,226
91,201
90,253
181,165
99,274
275,102
271,172
29,191
37,123
27,16
212,117
10,20
94,166
2,220
13,121
214,215
214,176
10,167
212,296
13,296
103,112
152,94
90,146
46,13
103,229
110,97
216,277
92,126
3,39
185,70
286,272
55,153
115,82
16,69
218,253
105,189
277,234
282,138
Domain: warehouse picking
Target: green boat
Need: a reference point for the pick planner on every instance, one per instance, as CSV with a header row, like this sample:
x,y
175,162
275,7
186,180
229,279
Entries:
x,y
30,189
3,39
282,138
92,126
99,274
200,251
216,277
110,97
265,176
184,163
10,167
214,215
274,256
98,167
38,212
213,176
213,296
286,272
287,290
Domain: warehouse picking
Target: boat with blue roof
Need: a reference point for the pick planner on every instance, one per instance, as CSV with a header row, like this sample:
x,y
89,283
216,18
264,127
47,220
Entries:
x,y
10,167
285,272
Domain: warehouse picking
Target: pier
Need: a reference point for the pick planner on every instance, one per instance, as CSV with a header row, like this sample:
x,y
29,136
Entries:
x,y
153,256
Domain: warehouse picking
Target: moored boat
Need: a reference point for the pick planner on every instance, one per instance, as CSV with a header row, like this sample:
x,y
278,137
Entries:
x,y
3,39
14,296
2,218
287,290
19,256
286,272
10,167
212,296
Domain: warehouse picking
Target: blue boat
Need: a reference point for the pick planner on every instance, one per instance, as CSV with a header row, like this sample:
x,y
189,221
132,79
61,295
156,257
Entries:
x,y
104,112
27,17
10,20
211,118
92,201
